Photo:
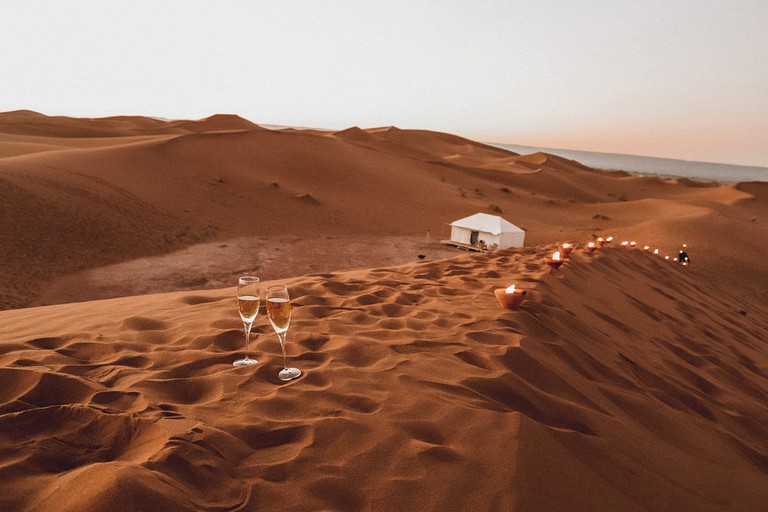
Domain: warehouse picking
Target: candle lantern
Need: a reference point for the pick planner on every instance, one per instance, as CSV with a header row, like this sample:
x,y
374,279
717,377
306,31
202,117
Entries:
x,y
591,247
510,297
556,261
567,249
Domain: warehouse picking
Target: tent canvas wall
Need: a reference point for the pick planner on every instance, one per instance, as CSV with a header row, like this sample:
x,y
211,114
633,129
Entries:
x,y
490,229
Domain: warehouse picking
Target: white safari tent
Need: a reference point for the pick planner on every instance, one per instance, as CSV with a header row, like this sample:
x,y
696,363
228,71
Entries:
x,y
481,229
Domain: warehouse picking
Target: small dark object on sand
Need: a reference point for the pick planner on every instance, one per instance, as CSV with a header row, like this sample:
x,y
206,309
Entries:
x,y
422,256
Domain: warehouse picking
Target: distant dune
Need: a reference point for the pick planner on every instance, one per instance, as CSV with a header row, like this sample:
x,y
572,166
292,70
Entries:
x,y
655,166
82,194
624,382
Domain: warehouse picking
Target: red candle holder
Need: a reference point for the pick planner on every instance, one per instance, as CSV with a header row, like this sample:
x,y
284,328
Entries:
x,y
567,249
511,297
591,247
556,261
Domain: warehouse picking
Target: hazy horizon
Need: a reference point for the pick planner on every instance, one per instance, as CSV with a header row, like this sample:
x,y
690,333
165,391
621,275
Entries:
x,y
681,79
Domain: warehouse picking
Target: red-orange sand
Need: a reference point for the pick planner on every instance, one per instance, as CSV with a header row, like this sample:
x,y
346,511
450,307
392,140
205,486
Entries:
x,y
624,382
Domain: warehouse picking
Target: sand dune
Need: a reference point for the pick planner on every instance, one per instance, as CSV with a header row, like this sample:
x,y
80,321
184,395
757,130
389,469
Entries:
x,y
624,383
81,194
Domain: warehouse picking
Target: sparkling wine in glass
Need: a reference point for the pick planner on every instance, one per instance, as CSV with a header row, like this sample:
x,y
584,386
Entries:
x,y
248,300
279,313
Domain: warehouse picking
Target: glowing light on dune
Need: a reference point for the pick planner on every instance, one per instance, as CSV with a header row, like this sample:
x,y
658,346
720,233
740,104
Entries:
x,y
666,257
645,247
625,243
555,261
655,251
567,245
609,239
510,297
633,243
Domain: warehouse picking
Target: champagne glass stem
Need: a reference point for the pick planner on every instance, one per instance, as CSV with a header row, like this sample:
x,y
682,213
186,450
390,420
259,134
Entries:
x,y
281,336
247,329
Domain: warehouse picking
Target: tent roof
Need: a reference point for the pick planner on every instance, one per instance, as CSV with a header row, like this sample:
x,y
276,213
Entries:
x,y
492,224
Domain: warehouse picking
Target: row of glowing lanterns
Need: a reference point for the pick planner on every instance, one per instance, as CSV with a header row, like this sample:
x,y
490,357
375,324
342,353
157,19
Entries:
x,y
511,297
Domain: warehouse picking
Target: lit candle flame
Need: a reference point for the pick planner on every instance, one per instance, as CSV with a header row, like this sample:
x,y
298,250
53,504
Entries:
x,y
655,251
666,257
633,244
609,239
591,244
510,289
645,247
556,256
625,243
600,239
566,245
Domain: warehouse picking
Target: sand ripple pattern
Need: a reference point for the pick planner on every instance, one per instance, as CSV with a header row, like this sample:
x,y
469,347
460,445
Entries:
x,y
623,383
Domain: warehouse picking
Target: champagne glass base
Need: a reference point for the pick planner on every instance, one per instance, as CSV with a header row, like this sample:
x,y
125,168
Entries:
x,y
289,373
244,362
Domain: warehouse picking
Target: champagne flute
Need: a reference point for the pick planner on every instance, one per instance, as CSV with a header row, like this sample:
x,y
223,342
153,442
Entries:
x,y
248,300
279,313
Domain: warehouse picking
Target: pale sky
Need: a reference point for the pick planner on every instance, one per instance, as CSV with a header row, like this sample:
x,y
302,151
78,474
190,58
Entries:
x,y
681,79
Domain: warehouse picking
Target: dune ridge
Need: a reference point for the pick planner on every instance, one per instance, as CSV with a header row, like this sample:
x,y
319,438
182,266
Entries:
x,y
624,382
79,196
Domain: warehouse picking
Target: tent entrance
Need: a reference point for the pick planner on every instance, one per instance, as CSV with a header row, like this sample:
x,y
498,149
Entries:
x,y
473,237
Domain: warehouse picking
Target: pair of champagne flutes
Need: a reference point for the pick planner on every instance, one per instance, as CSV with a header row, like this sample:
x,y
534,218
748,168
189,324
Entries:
x,y
278,305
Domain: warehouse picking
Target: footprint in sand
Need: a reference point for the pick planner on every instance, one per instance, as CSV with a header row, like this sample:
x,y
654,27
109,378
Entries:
x,y
423,431
47,343
142,323
64,436
193,300
126,401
